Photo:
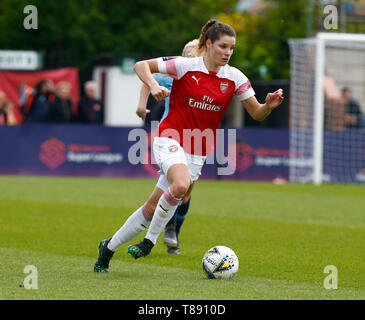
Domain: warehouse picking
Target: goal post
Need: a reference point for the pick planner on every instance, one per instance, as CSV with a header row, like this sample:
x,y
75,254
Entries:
x,y
324,145
318,111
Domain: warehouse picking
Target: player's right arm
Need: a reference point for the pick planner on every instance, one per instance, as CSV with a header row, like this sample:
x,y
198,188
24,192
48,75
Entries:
x,y
142,104
144,70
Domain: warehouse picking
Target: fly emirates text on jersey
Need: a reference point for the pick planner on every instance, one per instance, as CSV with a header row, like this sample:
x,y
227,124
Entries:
x,y
206,104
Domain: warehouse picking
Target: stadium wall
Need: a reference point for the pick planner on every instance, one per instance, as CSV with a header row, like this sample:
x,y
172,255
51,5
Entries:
x,y
121,94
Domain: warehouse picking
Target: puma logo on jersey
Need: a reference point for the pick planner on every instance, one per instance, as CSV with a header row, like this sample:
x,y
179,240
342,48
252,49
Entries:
x,y
197,80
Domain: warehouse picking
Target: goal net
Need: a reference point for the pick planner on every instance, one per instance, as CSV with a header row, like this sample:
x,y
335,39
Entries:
x,y
327,123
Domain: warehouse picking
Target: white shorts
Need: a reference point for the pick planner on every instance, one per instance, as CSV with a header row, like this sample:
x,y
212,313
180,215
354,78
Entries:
x,y
168,152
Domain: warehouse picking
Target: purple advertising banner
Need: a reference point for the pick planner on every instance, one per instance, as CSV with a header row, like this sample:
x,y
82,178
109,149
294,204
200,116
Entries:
x,y
85,150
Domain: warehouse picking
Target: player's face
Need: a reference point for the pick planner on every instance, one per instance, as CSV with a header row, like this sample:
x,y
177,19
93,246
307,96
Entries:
x,y
190,52
221,50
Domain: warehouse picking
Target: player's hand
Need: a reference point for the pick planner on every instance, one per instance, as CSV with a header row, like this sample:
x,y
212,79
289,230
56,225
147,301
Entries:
x,y
142,113
273,100
159,92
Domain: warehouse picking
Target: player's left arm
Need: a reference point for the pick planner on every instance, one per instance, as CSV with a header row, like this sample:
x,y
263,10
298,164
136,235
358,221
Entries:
x,y
260,112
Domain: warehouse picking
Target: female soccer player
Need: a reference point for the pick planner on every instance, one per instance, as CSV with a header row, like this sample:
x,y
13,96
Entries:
x,y
173,227
202,91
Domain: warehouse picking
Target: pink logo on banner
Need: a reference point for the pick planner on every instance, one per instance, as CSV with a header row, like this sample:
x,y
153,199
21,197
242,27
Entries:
x,y
52,153
244,156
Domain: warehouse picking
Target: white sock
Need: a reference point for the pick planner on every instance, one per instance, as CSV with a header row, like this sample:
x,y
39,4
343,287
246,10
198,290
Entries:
x,y
134,225
165,209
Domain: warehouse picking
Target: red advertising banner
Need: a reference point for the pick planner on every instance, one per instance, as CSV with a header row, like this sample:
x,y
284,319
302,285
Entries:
x,y
13,84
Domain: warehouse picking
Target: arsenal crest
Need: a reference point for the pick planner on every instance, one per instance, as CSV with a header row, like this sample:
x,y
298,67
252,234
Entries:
x,y
224,87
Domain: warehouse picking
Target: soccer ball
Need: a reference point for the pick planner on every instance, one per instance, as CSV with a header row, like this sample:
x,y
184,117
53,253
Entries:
x,y
220,262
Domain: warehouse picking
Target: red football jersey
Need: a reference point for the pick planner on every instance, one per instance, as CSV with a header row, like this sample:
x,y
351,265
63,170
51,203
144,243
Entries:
x,y
198,101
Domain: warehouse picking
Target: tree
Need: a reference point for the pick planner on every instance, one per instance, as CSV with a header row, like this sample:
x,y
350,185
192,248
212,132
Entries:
x,y
159,27
63,27
262,50
71,32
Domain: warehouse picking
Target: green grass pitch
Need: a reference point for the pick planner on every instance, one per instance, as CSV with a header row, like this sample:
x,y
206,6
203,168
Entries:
x,y
284,236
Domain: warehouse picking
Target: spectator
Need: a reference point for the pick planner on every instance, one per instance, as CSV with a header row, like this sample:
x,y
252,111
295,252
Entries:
x,y
37,106
334,112
6,111
353,116
61,108
91,110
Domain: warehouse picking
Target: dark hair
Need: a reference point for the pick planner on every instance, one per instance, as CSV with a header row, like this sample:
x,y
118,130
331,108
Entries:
x,y
213,30
39,86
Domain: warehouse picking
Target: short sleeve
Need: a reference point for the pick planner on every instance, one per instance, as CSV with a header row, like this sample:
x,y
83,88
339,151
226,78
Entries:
x,y
174,67
244,89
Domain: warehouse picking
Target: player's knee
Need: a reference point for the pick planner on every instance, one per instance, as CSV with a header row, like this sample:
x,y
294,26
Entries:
x,y
179,189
